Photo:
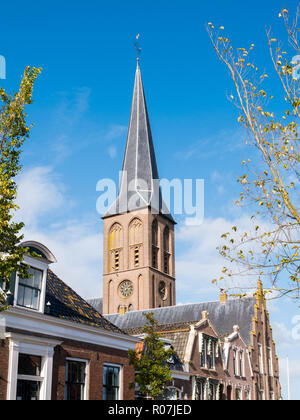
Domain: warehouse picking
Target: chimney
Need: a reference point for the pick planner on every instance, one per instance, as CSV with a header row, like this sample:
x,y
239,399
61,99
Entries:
x,y
205,315
223,297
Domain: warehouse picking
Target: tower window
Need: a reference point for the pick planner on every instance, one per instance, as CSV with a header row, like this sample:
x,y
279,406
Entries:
x,y
137,256
115,246
117,260
166,244
154,244
166,262
135,242
154,256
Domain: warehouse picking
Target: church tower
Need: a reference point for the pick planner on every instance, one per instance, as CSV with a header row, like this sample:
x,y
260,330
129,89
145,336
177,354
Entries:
x,y
139,246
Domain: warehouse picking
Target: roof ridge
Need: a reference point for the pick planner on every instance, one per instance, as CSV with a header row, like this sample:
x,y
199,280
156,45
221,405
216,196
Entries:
x,y
186,304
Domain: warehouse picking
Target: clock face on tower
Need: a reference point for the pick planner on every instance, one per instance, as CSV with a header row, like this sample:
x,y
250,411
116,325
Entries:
x,y
126,288
162,290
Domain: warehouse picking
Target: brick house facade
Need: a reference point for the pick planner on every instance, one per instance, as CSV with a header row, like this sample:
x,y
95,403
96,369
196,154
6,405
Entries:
x,y
56,346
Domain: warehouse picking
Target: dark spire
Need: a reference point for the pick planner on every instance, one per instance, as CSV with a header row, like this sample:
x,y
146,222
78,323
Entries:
x,y
139,184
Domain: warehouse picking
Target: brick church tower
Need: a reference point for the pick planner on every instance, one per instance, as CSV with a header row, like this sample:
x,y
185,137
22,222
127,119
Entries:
x,y
138,249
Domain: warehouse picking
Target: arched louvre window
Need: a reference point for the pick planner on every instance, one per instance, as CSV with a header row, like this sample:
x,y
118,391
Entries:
x,y
166,246
115,246
167,239
154,244
135,242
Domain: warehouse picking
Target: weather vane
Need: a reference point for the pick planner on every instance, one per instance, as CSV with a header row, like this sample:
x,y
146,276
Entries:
x,y
137,46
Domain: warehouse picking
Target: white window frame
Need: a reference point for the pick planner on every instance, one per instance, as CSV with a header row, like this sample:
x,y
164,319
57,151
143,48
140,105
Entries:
x,y
39,265
213,355
120,378
34,346
86,382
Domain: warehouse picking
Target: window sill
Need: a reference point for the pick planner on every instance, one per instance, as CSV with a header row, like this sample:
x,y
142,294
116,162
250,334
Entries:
x,y
36,311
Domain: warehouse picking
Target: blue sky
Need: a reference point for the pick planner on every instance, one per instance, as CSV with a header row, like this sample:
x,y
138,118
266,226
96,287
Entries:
x,y
81,112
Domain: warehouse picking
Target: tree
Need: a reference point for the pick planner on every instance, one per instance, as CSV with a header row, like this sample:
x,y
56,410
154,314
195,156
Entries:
x,y
151,362
13,133
270,184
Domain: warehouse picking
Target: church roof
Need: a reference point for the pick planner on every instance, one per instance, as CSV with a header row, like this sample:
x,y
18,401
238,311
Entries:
x,y
222,315
139,185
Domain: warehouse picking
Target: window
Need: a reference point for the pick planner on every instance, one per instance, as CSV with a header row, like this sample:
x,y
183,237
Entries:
x,y
154,243
117,260
260,359
135,242
203,353
211,354
238,394
208,348
154,256
29,378
136,256
166,247
166,262
29,290
270,364
212,391
115,246
30,367
200,389
235,363
111,382
75,384
247,395
242,373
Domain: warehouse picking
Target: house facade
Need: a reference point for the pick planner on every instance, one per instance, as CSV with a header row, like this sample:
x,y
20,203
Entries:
x,y
239,378
54,345
220,359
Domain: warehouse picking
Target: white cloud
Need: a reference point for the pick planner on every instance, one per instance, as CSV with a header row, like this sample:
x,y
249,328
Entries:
x,y
115,131
199,262
77,244
112,151
39,192
78,250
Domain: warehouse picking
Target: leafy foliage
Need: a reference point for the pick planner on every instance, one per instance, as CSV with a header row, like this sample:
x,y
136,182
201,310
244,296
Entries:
x,y
151,362
270,184
13,133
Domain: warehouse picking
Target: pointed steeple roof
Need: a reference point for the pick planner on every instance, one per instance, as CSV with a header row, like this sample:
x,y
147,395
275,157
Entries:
x,y
139,183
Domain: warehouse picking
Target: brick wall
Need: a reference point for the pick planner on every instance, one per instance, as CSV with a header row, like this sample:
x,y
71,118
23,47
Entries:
x,y
96,356
4,357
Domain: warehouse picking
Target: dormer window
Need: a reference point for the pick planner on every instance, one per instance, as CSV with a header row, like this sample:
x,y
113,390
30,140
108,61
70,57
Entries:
x,y
29,290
